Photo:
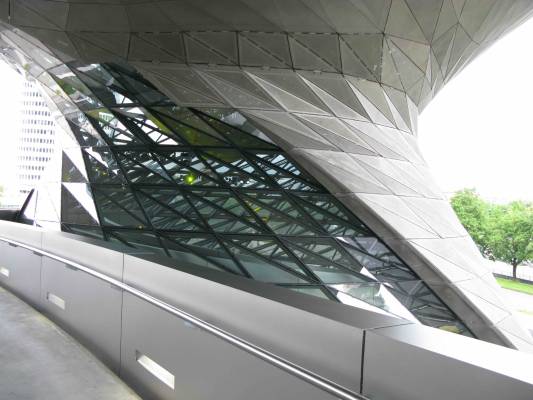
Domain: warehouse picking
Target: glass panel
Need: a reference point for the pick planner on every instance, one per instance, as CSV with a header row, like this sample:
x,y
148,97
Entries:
x,y
190,127
234,169
118,207
280,214
168,209
186,168
235,136
201,250
211,190
102,166
313,291
92,232
146,242
237,120
80,94
222,211
261,268
141,167
283,172
140,120
76,211
85,133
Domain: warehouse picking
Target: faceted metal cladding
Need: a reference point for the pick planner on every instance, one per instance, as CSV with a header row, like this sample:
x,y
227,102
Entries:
x,y
337,85
206,187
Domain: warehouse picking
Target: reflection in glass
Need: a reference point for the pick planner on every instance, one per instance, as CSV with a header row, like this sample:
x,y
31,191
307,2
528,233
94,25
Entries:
x,y
208,188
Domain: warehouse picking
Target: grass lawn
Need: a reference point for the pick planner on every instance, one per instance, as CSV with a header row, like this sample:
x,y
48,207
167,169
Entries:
x,y
515,285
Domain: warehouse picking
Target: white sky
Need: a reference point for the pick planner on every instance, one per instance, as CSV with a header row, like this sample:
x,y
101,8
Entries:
x,y
11,84
475,133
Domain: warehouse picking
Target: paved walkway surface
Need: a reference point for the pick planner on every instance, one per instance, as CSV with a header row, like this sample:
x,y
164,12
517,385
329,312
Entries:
x,y
39,361
522,303
499,267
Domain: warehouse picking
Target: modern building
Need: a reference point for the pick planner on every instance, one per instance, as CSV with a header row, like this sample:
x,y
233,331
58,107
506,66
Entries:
x,y
36,143
269,141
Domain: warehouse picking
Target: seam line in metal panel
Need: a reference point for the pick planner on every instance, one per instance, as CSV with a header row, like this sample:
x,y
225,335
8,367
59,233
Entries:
x,y
363,345
294,369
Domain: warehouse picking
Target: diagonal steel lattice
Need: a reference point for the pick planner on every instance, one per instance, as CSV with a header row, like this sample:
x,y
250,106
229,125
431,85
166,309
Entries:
x,y
206,187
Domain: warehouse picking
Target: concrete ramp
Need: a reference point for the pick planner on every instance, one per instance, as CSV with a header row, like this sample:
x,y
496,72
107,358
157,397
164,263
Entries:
x,y
40,361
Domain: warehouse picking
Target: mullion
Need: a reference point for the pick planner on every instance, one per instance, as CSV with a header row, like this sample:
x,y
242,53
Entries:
x,y
307,270
366,253
285,193
118,205
284,171
120,75
237,262
112,233
189,248
186,193
135,121
162,114
236,195
233,167
148,221
273,262
290,180
343,267
326,212
132,128
280,213
182,193
111,86
168,207
102,124
140,164
171,157
221,208
86,161
207,119
200,216
142,89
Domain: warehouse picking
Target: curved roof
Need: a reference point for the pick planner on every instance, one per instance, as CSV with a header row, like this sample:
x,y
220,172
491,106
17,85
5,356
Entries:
x,y
411,45
335,82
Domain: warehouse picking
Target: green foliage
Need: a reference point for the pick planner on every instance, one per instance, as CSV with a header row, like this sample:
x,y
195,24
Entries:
x,y
472,212
503,232
511,232
515,285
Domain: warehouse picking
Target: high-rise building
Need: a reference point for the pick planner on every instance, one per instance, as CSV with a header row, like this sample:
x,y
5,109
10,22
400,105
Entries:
x,y
36,142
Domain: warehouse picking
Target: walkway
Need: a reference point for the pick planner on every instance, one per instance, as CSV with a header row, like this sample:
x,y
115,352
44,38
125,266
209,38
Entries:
x,y
40,361
522,303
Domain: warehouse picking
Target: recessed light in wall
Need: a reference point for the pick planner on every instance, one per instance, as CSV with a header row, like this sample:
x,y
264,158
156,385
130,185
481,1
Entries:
x,y
4,271
155,369
58,301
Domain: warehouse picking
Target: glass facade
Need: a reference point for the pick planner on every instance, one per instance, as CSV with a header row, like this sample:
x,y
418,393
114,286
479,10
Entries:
x,y
209,189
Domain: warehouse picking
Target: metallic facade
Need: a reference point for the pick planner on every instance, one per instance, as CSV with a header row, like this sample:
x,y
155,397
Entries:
x,y
335,86
208,188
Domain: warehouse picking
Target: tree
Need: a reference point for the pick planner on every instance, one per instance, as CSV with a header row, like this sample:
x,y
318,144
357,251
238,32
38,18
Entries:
x,y
511,232
473,214
503,232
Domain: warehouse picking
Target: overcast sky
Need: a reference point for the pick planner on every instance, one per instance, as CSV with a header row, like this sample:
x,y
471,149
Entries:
x,y
11,84
476,133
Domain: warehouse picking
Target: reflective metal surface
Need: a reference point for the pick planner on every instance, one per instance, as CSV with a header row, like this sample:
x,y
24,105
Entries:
x,y
279,362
